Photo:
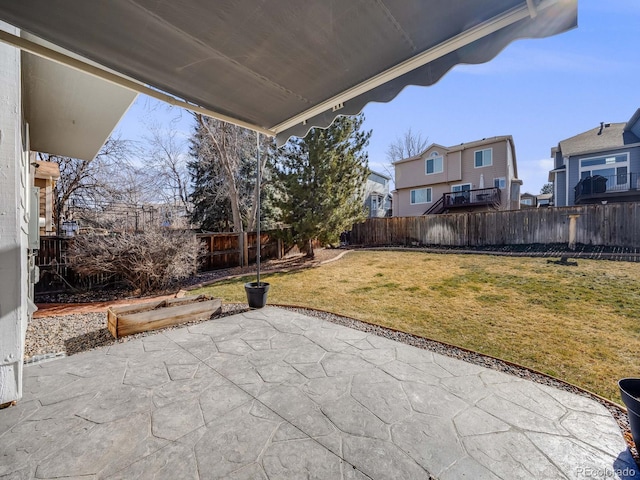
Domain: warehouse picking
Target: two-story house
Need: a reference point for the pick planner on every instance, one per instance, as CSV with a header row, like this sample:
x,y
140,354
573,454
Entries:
x,y
480,175
599,165
528,200
377,199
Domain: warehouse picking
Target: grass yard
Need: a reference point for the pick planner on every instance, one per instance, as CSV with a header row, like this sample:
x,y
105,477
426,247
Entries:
x,y
580,324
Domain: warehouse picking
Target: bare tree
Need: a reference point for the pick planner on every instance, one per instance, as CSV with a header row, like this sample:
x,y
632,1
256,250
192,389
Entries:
x,y
147,261
226,148
408,145
166,166
92,181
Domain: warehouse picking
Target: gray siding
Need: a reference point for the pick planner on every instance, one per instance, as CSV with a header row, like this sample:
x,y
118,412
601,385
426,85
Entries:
x,y
560,199
558,162
574,177
634,160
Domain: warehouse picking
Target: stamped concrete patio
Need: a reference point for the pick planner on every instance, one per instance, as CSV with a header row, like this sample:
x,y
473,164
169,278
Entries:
x,y
276,394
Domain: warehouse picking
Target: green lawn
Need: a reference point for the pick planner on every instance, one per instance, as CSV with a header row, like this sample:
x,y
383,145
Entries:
x,y
580,324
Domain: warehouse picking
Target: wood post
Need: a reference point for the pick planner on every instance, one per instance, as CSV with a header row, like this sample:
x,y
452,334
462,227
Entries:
x,y
572,230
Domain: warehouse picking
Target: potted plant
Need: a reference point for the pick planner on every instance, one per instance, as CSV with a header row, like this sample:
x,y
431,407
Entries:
x,y
257,291
630,393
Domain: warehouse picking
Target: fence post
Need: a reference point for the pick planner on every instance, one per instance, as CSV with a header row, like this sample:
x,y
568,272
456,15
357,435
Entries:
x,y
279,254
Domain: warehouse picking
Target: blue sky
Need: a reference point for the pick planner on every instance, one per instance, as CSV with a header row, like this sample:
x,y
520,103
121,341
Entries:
x,y
539,91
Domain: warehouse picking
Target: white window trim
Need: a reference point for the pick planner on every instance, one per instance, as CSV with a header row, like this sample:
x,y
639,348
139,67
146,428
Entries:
x,y
433,157
420,203
461,185
602,167
483,165
591,168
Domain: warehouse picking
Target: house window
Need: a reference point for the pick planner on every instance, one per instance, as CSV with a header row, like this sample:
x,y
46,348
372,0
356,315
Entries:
x,y
527,201
500,182
615,168
463,187
434,164
484,158
420,195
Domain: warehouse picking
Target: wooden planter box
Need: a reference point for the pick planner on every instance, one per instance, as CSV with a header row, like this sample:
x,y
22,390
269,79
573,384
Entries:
x,y
130,319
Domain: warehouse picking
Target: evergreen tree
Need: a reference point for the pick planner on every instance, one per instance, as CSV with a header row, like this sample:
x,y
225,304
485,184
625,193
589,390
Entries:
x,y
546,188
322,177
223,172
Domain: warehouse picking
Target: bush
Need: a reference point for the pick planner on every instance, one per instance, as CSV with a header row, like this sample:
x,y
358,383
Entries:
x,y
148,261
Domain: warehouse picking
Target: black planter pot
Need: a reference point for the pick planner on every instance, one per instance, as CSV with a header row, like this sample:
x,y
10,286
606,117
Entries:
x,y
630,393
256,294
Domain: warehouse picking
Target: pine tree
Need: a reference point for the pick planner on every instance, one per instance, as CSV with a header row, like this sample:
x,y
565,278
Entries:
x,y
322,177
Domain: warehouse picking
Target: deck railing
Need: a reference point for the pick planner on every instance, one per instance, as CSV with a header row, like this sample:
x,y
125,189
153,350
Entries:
x,y
598,187
466,198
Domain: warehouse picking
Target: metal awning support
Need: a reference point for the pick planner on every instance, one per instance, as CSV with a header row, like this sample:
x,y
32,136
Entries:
x,y
258,181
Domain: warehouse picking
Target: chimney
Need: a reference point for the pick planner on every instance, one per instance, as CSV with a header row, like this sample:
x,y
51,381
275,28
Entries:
x,y
601,128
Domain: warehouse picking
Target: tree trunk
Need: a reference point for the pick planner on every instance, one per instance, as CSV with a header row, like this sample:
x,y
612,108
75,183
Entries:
x,y
228,168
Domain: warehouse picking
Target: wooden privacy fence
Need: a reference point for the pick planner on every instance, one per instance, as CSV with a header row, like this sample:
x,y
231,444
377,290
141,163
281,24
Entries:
x,y
222,250
56,274
615,224
225,250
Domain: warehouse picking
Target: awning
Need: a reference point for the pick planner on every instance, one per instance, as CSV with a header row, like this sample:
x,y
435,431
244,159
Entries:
x,y
280,66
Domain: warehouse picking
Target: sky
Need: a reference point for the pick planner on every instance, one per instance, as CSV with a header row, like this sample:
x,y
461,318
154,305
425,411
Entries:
x,y
539,91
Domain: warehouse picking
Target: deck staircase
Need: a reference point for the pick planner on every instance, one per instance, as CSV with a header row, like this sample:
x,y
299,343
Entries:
x,y
436,208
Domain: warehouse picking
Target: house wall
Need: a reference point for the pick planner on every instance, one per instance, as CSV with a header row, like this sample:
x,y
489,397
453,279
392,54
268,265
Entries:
x,y
458,167
558,160
14,198
574,166
560,190
499,167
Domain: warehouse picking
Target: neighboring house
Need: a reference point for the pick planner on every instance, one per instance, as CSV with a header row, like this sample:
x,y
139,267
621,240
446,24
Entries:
x,y
377,199
45,176
480,175
599,165
545,199
528,200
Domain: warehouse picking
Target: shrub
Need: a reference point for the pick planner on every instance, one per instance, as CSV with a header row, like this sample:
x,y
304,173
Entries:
x,y
148,261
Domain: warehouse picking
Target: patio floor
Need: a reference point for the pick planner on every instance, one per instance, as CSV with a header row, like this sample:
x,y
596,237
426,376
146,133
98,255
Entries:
x,y
271,394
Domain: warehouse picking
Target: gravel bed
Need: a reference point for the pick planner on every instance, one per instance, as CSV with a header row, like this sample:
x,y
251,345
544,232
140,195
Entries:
x,y
50,338
54,337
